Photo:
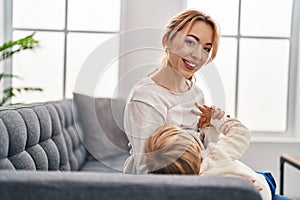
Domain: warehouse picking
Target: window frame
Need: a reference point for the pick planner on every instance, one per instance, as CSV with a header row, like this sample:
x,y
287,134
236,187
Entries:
x,y
9,30
292,71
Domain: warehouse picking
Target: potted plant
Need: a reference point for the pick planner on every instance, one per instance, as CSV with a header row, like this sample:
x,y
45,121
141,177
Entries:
x,y
7,50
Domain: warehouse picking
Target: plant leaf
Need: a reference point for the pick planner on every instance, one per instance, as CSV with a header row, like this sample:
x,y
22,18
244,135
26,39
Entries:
x,y
9,76
27,42
8,93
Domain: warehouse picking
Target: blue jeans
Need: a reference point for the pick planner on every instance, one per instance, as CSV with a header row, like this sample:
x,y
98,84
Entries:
x,y
271,181
280,197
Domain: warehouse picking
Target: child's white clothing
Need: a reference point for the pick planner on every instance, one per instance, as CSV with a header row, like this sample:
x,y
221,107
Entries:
x,y
221,158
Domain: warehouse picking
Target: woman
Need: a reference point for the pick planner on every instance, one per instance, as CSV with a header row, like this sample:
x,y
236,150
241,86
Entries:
x,y
168,95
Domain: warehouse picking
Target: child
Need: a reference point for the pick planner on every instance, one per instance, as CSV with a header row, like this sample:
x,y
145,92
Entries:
x,y
172,151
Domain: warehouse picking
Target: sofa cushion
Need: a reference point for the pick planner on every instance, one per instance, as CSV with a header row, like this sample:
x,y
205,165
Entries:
x,y
110,164
31,138
116,186
101,120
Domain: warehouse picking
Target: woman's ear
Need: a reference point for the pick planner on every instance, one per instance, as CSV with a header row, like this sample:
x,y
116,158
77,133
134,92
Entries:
x,y
165,41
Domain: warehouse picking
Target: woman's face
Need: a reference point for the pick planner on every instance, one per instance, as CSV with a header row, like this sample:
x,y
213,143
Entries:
x,y
188,53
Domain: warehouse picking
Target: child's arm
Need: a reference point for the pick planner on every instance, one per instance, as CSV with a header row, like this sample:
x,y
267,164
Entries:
x,y
237,136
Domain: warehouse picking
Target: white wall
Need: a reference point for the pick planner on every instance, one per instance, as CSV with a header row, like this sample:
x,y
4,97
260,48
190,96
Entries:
x,y
143,23
155,13
1,36
265,156
1,21
297,112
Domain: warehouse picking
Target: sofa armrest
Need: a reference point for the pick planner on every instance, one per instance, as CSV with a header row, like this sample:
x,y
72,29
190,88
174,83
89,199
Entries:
x,y
40,185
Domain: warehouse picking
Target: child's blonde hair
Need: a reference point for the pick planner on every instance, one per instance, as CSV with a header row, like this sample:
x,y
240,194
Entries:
x,y
172,151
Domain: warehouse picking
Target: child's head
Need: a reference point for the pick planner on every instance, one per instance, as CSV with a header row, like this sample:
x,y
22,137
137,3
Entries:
x,y
170,150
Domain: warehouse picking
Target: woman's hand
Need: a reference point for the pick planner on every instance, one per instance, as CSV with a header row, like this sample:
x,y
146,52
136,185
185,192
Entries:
x,y
205,115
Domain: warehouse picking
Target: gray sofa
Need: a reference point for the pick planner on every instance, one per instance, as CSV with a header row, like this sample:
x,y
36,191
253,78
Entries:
x,y
75,149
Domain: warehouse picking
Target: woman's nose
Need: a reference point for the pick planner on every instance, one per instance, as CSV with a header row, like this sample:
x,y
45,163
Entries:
x,y
197,53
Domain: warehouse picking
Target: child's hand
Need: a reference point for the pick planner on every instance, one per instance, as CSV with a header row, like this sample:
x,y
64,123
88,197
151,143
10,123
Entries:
x,y
216,113
252,180
205,115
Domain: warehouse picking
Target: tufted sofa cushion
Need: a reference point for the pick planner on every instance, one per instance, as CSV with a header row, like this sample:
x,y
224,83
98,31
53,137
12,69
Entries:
x,y
75,148
40,137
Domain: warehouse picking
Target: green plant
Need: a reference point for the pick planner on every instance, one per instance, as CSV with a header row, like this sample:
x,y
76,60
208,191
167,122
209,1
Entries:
x,y
7,50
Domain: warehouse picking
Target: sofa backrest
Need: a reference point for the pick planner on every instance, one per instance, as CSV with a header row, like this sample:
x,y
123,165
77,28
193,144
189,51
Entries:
x,y
72,135
40,136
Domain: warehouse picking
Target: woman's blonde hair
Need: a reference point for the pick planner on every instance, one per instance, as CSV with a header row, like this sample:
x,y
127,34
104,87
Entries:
x,y
172,151
187,18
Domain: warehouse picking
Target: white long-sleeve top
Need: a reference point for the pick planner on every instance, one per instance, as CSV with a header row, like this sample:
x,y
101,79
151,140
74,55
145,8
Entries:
x,y
221,158
150,106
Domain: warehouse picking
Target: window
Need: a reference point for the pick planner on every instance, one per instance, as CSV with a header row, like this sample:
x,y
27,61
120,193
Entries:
x,y
255,60
68,31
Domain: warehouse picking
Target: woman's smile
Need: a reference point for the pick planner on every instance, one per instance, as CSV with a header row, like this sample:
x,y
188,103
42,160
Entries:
x,y
189,65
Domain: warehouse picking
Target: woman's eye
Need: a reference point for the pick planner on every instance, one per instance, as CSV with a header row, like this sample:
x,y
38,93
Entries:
x,y
207,49
190,42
